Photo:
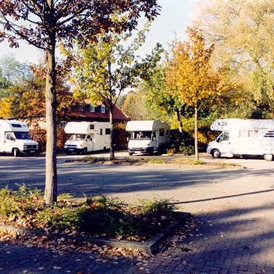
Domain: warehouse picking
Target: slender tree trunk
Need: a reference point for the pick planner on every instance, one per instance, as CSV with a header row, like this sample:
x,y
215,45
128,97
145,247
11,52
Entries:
x,y
50,195
180,126
111,108
196,134
111,155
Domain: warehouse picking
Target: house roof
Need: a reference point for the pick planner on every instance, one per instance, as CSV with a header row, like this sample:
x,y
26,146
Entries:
x,y
118,115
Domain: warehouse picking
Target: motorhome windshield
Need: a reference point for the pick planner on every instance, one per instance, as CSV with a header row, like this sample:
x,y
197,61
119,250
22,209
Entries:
x,y
77,137
145,135
22,136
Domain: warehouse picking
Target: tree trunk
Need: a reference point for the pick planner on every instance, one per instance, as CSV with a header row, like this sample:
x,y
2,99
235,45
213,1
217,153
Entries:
x,y
111,154
180,126
50,195
196,134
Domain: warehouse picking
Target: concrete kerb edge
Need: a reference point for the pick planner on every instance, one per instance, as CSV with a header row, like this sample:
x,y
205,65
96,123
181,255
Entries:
x,y
149,247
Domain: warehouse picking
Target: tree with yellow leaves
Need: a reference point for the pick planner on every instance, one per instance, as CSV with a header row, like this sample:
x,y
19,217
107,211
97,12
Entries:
x,y
190,78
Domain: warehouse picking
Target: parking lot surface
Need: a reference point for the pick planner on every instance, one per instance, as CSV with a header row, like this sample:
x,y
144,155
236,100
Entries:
x,y
233,210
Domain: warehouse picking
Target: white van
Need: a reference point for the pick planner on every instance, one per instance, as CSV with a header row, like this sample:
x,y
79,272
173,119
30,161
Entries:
x,y
85,137
15,139
241,137
148,136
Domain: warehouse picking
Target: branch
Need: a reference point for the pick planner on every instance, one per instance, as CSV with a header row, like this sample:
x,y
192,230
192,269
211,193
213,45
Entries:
x,y
18,33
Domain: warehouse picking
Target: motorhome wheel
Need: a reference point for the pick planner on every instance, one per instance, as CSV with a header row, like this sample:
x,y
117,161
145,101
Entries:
x,y
16,152
216,153
268,157
85,150
150,150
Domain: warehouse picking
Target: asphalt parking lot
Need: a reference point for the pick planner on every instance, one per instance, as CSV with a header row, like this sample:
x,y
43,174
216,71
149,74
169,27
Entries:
x,y
233,209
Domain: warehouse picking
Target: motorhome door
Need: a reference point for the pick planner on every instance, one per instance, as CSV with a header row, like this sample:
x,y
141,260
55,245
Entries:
x,y
2,140
9,141
154,139
89,143
224,144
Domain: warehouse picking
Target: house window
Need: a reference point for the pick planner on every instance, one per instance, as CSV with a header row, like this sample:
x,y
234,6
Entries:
x,y
80,108
92,108
62,124
103,109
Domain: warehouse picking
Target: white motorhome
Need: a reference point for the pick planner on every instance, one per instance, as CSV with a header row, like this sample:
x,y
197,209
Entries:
x,y
148,136
241,137
15,139
86,137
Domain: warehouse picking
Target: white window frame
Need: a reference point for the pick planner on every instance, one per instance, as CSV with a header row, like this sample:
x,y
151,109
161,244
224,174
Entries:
x,y
103,108
92,108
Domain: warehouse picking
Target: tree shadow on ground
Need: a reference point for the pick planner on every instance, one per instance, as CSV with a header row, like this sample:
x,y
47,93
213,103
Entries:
x,y
236,240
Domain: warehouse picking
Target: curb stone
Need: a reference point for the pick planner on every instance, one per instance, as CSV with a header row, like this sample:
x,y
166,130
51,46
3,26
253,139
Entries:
x,y
149,247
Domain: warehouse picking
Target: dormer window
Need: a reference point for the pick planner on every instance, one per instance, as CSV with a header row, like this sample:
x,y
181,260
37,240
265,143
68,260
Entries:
x,y
103,108
92,108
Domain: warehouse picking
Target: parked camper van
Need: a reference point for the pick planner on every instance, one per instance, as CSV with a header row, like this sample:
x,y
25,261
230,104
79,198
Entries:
x,y
148,136
243,137
85,137
15,139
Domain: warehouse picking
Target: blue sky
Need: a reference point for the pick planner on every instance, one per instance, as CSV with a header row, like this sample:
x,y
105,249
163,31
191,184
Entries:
x,y
175,16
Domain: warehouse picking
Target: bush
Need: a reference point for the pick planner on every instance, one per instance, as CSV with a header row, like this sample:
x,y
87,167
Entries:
x,y
97,216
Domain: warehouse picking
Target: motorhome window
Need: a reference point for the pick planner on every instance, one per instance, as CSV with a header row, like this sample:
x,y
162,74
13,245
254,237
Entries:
x,y
91,126
223,137
16,125
269,134
9,136
162,132
226,136
107,131
248,133
167,132
22,135
101,131
77,137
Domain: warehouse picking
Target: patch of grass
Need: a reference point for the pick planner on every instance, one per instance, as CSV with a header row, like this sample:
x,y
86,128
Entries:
x,y
188,161
96,216
155,161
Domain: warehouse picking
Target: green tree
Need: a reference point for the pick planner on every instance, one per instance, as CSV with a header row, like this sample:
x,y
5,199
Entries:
x,y
242,32
4,84
43,23
108,66
13,70
190,77
161,100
